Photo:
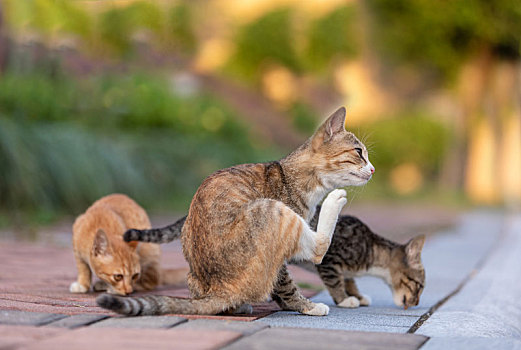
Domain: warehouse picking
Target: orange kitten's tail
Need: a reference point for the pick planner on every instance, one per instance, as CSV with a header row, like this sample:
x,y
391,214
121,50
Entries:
x,y
176,277
160,305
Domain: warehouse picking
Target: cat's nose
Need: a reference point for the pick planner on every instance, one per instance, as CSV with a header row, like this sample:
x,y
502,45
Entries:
x,y
372,170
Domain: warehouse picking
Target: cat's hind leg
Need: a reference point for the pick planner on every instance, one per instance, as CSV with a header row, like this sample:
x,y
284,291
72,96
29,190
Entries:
x,y
288,297
82,284
244,309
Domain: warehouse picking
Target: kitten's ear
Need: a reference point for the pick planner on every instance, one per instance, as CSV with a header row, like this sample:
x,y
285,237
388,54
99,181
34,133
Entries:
x,y
413,250
101,243
333,125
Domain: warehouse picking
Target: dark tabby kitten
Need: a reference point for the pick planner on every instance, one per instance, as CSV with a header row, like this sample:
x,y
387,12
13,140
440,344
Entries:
x,y
356,251
246,221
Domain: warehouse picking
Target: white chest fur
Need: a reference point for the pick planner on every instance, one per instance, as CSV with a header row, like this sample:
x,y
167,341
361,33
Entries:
x,y
381,272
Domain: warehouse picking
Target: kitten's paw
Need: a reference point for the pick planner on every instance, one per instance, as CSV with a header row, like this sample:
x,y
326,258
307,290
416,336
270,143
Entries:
x,y
100,286
78,288
350,302
318,309
365,300
132,235
244,309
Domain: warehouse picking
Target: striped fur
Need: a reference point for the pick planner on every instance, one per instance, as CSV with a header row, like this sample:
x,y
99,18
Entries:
x,y
246,221
156,235
356,251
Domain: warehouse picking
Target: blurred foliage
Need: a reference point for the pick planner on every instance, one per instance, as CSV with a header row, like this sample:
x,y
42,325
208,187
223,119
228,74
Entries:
x,y
113,30
181,27
68,137
59,167
133,102
409,137
332,36
441,34
304,118
270,40
267,40
65,143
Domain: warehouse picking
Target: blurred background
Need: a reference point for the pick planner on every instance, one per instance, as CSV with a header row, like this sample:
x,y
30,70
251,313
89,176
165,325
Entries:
x,y
149,97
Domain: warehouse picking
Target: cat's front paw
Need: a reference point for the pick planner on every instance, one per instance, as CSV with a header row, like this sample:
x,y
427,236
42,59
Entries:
x,y
132,235
335,201
331,207
78,288
318,309
100,286
365,300
349,302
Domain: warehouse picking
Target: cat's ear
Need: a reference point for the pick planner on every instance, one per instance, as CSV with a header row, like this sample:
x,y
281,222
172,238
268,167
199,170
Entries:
x,y
101,243
413,250
332,126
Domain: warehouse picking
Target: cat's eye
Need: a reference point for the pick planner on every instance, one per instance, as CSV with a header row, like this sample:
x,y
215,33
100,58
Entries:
x,y
359,150
135,276
117,277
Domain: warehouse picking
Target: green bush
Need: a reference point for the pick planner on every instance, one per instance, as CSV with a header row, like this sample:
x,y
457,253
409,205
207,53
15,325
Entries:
x,y
409,138
304,118
60,167
112,101
65,143
330,37
267,40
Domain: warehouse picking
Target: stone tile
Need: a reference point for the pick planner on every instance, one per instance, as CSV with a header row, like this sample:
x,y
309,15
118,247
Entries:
x,y
360,319
489,304
300,339
140,322
89,338
76,321
246,328
478,343
15,317
13,336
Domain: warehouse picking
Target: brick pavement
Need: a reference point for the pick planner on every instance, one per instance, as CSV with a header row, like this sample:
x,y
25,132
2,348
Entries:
x,y
38,312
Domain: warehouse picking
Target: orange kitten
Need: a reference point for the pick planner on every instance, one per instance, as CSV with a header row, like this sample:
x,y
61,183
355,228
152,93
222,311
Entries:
x,y
99,247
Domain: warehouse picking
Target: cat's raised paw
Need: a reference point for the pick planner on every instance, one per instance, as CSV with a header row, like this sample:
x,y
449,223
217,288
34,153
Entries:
x,y
318,309
350,302
365,300
78,288
336,198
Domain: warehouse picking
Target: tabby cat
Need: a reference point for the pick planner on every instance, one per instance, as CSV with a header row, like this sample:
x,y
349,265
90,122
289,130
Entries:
x,y
356,251
246,221
99,247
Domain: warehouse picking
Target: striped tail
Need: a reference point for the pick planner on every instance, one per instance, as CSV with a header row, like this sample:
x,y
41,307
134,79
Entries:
x,y
152,305
156,235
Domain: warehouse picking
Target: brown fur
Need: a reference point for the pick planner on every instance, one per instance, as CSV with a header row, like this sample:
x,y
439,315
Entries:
x,y
99,248
355,251
244,222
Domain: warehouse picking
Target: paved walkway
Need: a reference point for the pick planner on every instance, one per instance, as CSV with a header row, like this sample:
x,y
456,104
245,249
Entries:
x,y
471,300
